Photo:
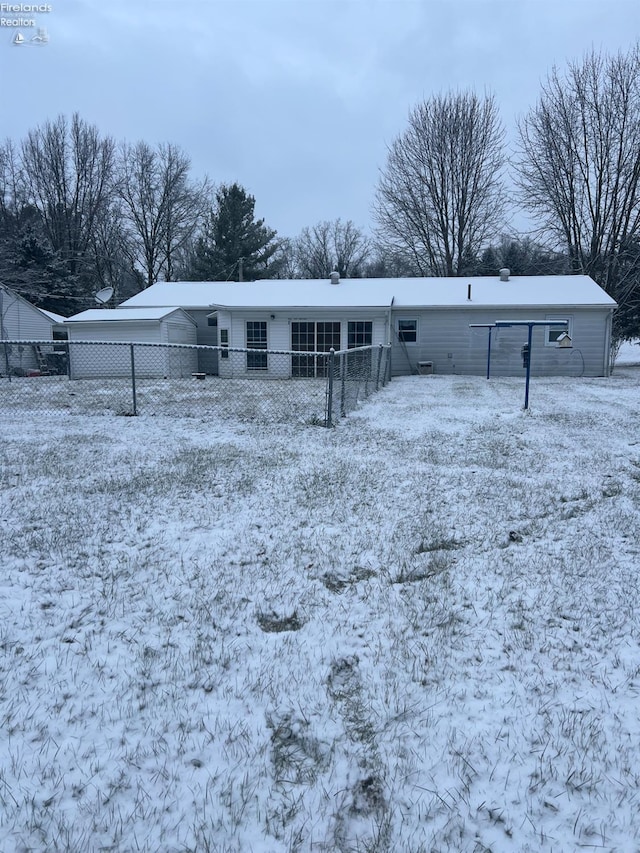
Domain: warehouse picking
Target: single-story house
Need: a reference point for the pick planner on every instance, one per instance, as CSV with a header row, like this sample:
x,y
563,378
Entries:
x,y
137,325
22,321
427,321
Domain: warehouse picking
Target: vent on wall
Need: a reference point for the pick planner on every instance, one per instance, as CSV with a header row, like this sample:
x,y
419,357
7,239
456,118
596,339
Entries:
x,y
425,368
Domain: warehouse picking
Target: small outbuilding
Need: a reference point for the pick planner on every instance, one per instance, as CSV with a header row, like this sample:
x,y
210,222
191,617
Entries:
x,y
20,320
92,335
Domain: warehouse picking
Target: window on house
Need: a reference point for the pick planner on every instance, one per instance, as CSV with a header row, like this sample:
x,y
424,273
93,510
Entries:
x,y
224,342
308,336
257,340
552,333
359,333
408,331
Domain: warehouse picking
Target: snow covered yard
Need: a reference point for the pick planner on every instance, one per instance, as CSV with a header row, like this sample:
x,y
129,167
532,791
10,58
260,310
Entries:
x,y
419,631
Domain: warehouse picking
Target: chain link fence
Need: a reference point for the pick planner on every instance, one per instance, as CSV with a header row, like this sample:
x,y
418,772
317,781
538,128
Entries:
x,y
124,378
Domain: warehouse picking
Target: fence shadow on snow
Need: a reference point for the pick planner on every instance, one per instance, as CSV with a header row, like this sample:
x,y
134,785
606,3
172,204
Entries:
x,y
124,378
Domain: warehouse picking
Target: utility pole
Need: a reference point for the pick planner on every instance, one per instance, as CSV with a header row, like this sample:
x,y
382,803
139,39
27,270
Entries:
x,y
240,269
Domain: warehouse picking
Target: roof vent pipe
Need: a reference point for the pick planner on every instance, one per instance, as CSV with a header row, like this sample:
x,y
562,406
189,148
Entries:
x,y
335,277
504,274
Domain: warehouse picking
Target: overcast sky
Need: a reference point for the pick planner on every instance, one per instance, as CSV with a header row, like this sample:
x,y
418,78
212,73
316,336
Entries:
x,y
295,99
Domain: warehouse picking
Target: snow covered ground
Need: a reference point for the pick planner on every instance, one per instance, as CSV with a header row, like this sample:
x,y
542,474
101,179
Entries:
x,y
419,631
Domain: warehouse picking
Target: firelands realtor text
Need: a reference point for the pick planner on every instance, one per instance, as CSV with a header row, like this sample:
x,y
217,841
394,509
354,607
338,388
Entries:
x,y
22,8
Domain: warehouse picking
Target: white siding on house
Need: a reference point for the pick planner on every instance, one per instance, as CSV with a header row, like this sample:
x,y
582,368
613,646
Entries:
x,y
443,307
22,321
206,336
444,338
100,360
279,334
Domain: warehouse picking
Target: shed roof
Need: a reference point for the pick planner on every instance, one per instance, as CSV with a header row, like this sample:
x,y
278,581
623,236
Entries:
x,y
95,315
56,318
487,291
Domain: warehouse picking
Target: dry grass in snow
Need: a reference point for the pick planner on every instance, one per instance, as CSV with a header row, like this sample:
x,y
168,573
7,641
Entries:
x,y
416,632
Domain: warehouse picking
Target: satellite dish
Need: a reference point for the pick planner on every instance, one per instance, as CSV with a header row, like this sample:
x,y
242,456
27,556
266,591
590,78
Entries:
x,y
104,295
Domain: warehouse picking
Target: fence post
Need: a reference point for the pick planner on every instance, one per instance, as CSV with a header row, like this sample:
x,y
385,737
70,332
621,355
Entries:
x,y
368,370
133,379
332,359
378,370
6,360
67,348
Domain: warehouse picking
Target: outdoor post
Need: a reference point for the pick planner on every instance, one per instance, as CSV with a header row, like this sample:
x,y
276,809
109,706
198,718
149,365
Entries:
x,y
489,326
378,370
526,387
367,375
507,324
343,386
66,346
6,360
133,379
332,359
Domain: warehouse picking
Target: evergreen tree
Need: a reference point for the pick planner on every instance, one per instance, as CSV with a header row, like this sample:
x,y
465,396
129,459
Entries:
x,y
234,244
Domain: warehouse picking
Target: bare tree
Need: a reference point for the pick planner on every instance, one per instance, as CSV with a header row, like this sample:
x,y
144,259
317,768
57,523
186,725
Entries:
x,y
579,165
68,170
441,195
13,196
329,246
161,206
111,253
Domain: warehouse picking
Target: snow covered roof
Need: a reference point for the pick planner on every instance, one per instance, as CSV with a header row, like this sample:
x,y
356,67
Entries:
x,y
94,315
57,318
488,291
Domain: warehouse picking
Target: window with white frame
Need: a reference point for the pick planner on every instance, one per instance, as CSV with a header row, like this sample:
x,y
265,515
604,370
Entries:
x,y
552,333
408,331
359,333
311,336
224,342
257,340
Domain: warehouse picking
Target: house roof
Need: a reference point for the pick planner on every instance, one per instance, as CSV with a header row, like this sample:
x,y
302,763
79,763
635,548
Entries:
x,y
95,315
57,318
487,291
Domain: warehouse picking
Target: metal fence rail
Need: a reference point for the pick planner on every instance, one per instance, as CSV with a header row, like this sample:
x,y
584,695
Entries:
x,y
131,378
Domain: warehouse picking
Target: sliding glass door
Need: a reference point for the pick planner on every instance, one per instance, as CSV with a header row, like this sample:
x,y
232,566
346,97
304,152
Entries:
x,y
312,337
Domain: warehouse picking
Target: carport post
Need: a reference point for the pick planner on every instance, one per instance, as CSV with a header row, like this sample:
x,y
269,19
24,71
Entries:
x,y
133,379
